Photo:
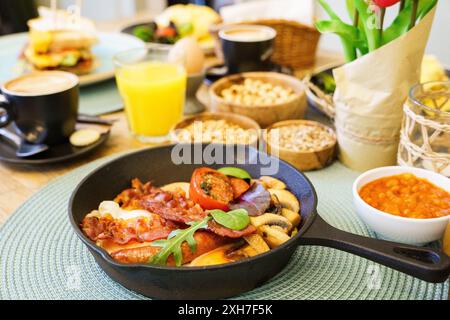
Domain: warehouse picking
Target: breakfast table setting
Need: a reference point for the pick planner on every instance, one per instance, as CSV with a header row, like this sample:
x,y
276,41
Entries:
x,y
157,157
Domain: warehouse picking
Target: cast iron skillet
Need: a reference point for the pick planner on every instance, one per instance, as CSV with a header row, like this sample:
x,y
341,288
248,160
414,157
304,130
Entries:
x,y
231,279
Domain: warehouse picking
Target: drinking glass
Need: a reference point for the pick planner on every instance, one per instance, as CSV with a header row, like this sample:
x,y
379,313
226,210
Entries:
x,y
153,87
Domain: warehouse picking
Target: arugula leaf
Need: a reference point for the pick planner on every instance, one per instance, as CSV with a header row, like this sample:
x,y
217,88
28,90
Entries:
x,y
235,220
235,172
172,245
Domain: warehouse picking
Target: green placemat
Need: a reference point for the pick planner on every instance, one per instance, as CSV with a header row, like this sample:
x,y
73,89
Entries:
x,y
100,98
41,257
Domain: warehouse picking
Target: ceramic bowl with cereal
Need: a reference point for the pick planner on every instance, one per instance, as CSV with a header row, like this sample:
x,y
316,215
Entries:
x,y
224,128
307,145
266,97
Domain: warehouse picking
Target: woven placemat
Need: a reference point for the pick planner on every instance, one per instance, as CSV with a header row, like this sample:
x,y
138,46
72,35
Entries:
x,y
100,98
41,257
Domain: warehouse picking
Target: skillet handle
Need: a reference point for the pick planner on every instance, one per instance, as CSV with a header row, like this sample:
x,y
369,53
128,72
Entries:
x,y
423,263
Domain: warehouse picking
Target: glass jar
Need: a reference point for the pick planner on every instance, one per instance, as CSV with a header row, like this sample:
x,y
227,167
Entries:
x,y
425,134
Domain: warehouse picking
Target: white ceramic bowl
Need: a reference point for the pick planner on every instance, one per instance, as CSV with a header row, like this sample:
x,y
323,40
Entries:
x,y
396,228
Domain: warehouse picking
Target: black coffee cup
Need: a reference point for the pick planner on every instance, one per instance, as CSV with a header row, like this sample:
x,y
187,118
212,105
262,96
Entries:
x,y
247,47
42,106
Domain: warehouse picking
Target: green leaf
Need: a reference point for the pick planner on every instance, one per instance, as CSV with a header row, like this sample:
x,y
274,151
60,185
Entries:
x,y
425,7
159,243
328,10
235,220
351,12
235,172
349,48
145,33
400,24
172,246
372,34
346,31
351,9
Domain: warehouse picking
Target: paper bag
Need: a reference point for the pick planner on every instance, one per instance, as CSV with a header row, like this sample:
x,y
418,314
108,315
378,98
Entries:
x,y
370,93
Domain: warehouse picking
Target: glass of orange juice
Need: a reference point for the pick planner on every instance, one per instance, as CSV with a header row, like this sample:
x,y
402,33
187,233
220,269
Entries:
x,y
153,88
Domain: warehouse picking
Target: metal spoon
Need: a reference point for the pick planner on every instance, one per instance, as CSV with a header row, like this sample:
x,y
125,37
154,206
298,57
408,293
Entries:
x,y
24,149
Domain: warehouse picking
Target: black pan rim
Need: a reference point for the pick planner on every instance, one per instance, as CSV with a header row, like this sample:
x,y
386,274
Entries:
x,y
104,254
83,151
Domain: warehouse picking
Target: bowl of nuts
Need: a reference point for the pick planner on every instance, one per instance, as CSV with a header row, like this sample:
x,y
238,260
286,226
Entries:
x,y
307,145
266,97
224,128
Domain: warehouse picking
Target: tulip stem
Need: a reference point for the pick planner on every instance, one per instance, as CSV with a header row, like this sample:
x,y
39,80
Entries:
x,y
382,15
356,18
402,5
355,24
413,14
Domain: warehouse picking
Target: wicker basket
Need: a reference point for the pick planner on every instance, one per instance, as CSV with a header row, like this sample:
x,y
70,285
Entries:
x,y
264,115
295,44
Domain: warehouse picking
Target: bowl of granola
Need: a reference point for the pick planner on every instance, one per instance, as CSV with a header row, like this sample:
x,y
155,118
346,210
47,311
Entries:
x,y
266,97
220,127
307,145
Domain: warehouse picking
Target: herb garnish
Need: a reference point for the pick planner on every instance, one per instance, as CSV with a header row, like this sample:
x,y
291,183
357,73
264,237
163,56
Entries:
x,y
235,220
174,241
235,172
206,187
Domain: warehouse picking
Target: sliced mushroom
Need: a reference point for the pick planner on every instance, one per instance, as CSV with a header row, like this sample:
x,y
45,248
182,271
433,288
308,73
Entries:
x,y
279,229
272,183
257,243
272,236
271,219
275,205
173,187
292,216
287,199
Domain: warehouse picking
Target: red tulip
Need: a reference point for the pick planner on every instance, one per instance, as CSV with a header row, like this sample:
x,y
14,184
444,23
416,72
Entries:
x,y
385,3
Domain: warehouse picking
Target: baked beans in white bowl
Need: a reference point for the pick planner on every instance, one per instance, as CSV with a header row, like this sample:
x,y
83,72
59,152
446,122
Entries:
x,y
403,204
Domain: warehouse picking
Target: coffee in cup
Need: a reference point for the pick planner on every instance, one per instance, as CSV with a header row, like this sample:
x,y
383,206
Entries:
x,y
42,106
247,47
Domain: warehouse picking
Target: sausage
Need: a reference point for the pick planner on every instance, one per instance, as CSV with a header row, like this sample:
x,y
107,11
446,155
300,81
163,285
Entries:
x,y
206,242
213,226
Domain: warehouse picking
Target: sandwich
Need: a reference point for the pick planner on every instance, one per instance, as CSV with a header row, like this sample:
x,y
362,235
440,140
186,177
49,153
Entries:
x,y
61,41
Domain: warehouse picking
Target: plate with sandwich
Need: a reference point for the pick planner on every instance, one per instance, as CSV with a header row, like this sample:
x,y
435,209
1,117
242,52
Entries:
x,y
59,41
176,22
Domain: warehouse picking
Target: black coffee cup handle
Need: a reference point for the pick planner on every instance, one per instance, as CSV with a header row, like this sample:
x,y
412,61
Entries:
x,y
5,112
